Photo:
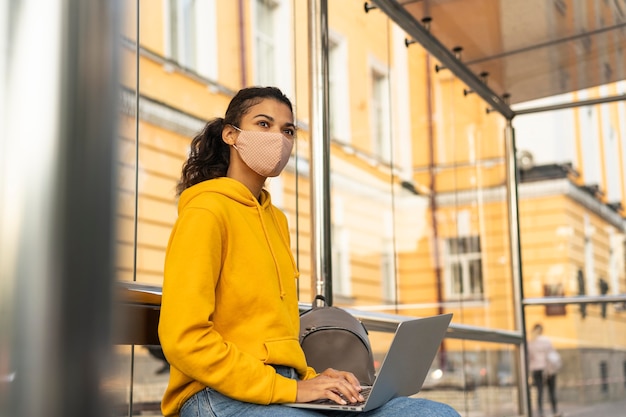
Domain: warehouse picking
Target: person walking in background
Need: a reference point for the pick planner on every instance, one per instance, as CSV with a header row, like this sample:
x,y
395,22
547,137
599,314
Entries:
x,y
229,321
543,363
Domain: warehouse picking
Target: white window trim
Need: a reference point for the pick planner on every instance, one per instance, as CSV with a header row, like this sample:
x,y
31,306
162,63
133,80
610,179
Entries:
x,y
379,68
589,126
205,35
283,40
590,272
340,99
401,103
388,259
341,250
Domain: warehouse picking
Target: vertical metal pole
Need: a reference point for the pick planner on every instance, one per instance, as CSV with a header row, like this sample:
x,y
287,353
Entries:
x,y
59,84
516,264
321,266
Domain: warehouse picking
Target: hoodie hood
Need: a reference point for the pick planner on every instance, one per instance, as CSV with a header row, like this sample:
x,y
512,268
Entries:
x,y
225,186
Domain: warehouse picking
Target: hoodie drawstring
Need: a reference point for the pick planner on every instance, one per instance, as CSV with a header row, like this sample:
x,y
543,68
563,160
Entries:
x,y
286,243
280,281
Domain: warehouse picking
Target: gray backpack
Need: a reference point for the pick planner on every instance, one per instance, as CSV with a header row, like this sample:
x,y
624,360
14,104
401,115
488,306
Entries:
x,y
333,338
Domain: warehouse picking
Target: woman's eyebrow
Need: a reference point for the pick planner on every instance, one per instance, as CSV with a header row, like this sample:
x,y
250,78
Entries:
x,y
271,119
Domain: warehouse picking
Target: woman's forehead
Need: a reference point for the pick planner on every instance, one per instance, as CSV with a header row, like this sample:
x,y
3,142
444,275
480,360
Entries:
x,y
277,110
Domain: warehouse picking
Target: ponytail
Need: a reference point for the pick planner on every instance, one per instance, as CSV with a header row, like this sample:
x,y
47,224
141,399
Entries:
x,y
208,156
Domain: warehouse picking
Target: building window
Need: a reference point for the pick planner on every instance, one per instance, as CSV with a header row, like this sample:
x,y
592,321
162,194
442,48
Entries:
x,y
624,253
340,252
604,377
182,42
589,231
338,90
340,262
380,115
388,274
191,38
582,290
554,290
388,260
464,271
264,39
272,43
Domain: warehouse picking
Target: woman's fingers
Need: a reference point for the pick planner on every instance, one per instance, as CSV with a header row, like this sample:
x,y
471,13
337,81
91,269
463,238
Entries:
x,y
335,388
348,376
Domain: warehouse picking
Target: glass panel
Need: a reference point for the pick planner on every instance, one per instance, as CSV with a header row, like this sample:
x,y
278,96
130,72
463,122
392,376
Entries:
x,y
146,384
571,239
419,211
531,50
592,373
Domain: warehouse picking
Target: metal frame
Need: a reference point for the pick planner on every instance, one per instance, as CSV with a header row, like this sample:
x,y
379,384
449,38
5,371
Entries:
x,y
321,254
420,34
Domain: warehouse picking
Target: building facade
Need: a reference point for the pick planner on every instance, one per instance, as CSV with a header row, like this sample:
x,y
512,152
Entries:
x,y
418,207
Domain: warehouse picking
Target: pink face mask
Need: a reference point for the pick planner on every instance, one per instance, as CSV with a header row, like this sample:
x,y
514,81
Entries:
x,y
266,153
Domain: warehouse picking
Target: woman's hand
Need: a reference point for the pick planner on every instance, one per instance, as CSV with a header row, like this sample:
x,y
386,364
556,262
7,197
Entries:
x,y
330,384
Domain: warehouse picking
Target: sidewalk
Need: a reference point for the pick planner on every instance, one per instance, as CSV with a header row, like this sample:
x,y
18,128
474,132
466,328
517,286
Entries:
x,y
608,409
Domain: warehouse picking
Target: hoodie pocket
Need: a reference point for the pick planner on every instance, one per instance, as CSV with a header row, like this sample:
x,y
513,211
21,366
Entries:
x,y
284,352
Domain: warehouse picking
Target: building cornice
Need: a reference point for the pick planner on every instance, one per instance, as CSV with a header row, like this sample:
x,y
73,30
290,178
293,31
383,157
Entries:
x,y
536,189
160,114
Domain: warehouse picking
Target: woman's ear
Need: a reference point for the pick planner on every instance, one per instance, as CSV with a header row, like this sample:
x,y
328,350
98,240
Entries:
x,y
229,134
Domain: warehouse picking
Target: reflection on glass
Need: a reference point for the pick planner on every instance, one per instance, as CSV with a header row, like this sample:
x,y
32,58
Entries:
x,y
140,375
419,219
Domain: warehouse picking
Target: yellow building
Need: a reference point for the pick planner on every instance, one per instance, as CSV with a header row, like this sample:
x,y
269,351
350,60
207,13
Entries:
x,y
418,172
477,154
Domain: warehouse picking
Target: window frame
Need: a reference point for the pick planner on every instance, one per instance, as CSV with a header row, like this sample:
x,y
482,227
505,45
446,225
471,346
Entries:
x,y
281,63
194,24
380,110
339,89
464,261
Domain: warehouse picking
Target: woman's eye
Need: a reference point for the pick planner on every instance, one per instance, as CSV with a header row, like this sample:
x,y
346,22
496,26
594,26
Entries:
x,y
289,132
264,123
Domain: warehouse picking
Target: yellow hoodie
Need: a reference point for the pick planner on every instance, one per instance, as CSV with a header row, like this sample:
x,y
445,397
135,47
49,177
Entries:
x,y
229,308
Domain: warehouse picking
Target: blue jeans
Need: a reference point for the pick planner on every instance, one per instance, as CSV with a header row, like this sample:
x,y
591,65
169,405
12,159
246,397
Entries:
x,y
210,403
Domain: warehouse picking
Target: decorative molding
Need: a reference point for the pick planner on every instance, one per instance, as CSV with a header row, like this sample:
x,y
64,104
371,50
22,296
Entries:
x,y
160,114
536,189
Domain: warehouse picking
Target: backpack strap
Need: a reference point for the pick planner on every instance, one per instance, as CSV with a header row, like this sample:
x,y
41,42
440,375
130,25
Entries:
x,y
317,298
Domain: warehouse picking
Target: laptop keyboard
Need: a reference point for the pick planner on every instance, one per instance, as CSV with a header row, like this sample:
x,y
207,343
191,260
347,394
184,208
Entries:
x,y
365,392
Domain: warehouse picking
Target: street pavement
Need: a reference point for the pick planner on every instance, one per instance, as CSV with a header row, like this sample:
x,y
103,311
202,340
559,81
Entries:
x,y
607,409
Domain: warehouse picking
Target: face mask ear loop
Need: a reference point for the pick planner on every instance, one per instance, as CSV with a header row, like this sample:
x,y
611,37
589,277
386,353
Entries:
x,y
239,130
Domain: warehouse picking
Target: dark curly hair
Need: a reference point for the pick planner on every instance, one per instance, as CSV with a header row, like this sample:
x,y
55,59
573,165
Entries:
x,y
209,155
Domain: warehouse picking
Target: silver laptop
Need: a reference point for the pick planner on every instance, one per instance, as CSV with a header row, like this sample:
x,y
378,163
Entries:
x,y
404,368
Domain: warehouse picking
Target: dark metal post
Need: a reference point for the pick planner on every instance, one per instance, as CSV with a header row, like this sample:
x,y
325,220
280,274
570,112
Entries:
x,y
321,254
59,84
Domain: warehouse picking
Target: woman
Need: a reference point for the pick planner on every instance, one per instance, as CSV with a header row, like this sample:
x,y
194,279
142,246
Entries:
x,y
539,349
229,315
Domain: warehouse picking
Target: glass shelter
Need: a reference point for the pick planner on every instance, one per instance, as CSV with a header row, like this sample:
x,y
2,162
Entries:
x,y
452,156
